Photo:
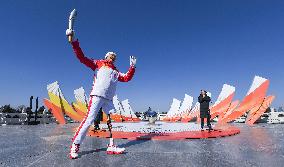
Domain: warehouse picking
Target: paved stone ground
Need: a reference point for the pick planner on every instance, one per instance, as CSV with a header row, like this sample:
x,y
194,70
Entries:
x,y
48,145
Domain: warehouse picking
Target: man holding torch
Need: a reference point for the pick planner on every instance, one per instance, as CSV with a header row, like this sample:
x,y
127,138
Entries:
x,y
104,87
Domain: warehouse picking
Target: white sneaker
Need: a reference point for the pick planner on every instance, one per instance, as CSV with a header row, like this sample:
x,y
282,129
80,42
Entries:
x,y
74,151
113,149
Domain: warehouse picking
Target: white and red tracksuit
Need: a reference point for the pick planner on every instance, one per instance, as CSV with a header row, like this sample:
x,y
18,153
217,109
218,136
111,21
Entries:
x,y
104,87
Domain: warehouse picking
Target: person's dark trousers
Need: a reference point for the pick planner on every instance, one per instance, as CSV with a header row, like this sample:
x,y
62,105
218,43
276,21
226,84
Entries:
x,y
98,120
96,125
208,122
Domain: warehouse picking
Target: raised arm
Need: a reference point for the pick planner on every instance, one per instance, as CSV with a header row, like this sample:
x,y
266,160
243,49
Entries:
x,y
80,55
128,76
75,44
200,99
207,98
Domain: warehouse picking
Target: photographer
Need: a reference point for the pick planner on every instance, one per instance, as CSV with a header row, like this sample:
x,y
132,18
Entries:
x,y
204,101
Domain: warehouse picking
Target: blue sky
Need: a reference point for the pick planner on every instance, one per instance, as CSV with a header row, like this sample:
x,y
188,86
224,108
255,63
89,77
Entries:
x,y
182,46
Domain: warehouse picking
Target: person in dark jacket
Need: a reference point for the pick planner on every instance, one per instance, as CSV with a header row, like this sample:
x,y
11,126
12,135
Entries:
x,y
204,101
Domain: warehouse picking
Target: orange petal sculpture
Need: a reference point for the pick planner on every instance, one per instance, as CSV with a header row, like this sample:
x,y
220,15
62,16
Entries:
x,y
57,98
252,117
254,96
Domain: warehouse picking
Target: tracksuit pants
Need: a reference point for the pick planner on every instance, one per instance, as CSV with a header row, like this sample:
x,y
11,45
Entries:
x,y
95,104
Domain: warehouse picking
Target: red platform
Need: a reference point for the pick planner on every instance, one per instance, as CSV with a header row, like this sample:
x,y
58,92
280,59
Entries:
x,y
220,131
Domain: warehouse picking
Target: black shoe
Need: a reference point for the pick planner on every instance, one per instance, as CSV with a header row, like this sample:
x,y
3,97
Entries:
x,y
202,129
96,128
210,128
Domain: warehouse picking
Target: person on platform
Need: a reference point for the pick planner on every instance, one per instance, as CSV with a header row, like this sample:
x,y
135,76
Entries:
x,y
103,90
204,101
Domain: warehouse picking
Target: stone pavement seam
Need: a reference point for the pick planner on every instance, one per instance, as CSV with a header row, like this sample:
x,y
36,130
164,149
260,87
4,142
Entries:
x,y
38,159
